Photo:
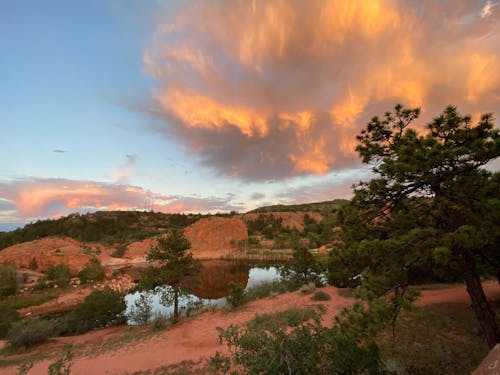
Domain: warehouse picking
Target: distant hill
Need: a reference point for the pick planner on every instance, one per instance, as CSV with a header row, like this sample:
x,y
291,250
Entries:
x,y
102,226
325,207
120,227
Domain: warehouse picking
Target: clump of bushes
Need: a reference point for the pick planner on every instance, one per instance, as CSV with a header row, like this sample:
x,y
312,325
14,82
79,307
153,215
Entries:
x,y
93,271
320,295
119,252
100,309
29,332
8,280
8,315
59,274
236,295
307,288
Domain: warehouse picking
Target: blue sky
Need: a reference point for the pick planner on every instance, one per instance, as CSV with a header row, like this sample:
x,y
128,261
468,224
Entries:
x,y
212,106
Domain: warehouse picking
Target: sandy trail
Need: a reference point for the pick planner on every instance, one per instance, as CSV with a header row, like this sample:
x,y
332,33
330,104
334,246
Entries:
x,y
196,338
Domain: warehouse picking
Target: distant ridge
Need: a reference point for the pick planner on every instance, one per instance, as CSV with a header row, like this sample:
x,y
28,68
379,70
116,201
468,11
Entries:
x,y
324,207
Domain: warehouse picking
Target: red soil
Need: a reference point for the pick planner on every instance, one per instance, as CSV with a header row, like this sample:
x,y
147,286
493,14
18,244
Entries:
x,y
196,338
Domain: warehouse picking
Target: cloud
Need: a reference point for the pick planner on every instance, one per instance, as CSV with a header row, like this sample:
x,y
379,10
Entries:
x,y
59,151
269,90
124,171
34,198
486,10
257,196
333,186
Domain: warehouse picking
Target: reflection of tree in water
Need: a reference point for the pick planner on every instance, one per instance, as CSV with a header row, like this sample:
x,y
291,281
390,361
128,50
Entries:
x,y
213,280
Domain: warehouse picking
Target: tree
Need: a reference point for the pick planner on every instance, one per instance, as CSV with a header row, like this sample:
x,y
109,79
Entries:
x,y
8,280
302,268
172,267
431,211
142,310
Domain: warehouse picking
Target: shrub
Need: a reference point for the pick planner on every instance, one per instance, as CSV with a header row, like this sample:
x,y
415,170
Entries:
x,y
119,252
29,332
33,264
63,365
8,315
93,271
159,323
59,274
236,295
307,288
275,344
100,309
41,284
8,280
142,310
269,288
319,295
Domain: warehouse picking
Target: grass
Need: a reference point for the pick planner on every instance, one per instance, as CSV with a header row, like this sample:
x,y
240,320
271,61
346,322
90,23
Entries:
x,y
20,301
130,335
267,289
182,368
438,339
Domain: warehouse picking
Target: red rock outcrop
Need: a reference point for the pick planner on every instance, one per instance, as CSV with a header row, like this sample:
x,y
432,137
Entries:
x,y
216,237
291,220
47,252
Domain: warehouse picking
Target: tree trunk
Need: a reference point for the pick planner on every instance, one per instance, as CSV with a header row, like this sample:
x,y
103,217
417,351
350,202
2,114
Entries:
x,y
176,304
482,308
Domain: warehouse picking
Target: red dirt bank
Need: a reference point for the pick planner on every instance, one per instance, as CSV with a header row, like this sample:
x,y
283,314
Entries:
x,y
196,338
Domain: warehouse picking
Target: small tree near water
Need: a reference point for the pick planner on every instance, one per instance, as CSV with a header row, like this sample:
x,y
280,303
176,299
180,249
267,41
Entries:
x,y
172,267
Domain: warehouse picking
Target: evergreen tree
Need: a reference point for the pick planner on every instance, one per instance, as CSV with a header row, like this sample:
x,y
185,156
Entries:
x,y
432,210
172,266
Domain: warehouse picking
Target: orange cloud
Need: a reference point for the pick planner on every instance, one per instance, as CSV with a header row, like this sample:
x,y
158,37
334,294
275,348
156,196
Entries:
x,y
274,89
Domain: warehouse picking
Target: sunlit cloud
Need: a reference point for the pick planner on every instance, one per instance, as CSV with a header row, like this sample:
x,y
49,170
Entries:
x,y
269,90
487,9
35,198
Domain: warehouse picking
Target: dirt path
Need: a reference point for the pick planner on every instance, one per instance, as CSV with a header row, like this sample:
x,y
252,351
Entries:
x,y
196,338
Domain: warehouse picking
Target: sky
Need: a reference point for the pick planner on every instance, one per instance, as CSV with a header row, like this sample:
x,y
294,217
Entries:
x,y
220,105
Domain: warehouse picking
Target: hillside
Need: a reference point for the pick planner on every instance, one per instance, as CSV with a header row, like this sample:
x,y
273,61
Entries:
x,y
103,226
124,227
324,208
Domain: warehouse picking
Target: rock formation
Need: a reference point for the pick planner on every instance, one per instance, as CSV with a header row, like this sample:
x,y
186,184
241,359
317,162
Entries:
x,y
216,237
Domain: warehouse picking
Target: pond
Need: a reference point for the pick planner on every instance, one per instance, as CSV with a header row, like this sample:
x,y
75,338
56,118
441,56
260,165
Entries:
x,y
211,287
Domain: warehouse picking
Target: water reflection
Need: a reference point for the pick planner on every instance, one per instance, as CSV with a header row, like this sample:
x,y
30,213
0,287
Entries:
x,y
211,286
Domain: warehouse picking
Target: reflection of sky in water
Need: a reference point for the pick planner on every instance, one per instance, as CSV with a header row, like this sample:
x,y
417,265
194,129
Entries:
x,y
260,275
256,276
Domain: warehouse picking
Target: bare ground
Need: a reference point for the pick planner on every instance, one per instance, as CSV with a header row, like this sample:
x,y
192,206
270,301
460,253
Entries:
x,y
196,338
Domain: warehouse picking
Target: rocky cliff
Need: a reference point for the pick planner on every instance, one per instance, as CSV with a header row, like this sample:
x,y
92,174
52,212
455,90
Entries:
x,y
216,237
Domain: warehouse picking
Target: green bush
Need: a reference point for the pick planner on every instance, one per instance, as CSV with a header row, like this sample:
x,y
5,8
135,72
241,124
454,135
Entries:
x,y
100,309
236,295
8,315
295,341
119,252
33,264
8,280
29,332
269,288
59,274
319,295
93,271
142,310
